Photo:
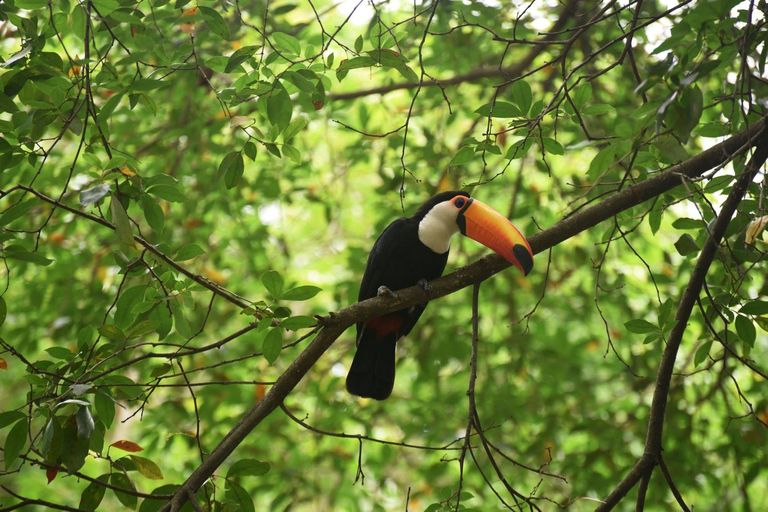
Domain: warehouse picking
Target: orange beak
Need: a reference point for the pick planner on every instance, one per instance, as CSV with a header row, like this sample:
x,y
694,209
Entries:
x,y
483,224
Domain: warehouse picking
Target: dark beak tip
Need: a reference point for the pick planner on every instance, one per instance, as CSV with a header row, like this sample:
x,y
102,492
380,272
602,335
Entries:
x,y
524,257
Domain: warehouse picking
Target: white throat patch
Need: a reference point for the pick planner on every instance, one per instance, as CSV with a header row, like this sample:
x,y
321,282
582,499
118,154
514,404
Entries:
x,y
438,226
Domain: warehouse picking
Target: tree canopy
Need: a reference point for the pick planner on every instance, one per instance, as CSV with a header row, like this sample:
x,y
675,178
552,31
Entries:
x,y
189,191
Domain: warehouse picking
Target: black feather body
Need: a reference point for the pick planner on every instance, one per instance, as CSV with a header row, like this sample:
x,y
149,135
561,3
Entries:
x,y
398,260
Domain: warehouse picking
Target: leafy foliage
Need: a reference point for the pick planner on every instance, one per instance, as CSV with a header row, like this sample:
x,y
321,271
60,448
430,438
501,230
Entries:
x,y
185,185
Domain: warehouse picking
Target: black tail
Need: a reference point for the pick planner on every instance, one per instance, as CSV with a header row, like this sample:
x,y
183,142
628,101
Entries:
x,y
372,374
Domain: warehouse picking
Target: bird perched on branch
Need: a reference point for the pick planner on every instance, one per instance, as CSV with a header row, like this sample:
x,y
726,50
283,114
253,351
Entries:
x,y
412,251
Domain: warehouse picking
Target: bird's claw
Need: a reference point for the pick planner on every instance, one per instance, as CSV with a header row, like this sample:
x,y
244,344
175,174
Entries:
x,y
423,283
383,290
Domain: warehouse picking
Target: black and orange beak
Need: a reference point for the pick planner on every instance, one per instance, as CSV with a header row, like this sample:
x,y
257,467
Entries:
x,y
483,224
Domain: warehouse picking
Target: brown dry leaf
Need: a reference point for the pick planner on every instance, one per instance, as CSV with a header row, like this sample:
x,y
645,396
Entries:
x,y
236,121
3,364
127,446
261,390
127,172
755,228
188,27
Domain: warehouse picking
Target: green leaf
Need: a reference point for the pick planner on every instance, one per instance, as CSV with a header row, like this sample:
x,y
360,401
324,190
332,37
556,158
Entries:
x,y
292,153
640,326
85,337
115,162
273,282
248,467
215,22
552,146
168,192
685,223
596,110
686,245
112,332
74,449
160,370
235,171
121,221
93,160
701,353
53,440
359,44
147,468
60,353
273,345
20,253
463,156
10,417
152,505
519,149
654,219
14,443
355,63
94,194
665,311
501,109
105,407
601,162
142,328
250,150
225,164
582,94
294,128
302,83
125,303
295,323
286,43
92,495
300,293
30,4
3,311
182,326
522,96
755,307
241,55
746,330
120,480
240,497
279,108
18,210
153,213
85,424
188,252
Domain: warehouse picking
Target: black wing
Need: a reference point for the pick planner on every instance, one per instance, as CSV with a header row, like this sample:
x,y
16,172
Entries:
x,y
378,264
388,244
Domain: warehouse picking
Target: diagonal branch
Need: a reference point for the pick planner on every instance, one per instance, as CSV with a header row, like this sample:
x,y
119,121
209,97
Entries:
x,y
336,323
648,461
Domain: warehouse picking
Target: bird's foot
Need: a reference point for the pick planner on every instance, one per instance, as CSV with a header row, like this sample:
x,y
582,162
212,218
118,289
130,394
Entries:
x,y
383,290
423,283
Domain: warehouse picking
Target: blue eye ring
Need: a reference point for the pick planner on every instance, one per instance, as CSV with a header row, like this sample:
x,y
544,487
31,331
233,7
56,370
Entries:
x,y
460,202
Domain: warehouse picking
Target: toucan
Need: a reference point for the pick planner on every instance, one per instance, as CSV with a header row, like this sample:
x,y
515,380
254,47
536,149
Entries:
x,y
414,250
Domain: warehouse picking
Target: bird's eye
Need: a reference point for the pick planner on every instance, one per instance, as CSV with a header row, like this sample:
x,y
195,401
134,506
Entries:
x,y
460,202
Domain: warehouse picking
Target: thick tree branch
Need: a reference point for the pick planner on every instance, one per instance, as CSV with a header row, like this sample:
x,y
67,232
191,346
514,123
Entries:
x,y
649,460
336,323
